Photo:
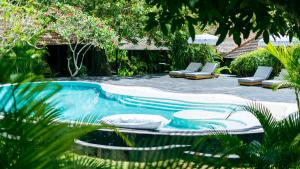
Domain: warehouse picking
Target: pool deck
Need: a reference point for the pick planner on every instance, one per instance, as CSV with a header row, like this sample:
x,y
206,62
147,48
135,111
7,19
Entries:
x,y
222,85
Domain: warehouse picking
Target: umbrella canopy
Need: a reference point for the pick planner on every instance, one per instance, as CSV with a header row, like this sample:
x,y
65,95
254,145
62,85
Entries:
x,y
279,41
204,39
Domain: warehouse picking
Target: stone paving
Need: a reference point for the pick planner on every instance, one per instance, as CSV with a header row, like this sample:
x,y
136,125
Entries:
x,y
222,85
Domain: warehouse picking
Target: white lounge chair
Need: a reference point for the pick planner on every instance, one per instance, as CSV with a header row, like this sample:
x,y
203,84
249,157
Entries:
x,y
192,67
262,73
277,80
206,72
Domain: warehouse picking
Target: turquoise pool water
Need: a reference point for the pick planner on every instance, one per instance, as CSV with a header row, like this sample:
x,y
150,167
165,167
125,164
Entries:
x,y
77,100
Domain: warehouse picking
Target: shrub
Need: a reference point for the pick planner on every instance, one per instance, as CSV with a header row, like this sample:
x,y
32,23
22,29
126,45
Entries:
x,y
246,64
139,63
26,59
182,53
128,66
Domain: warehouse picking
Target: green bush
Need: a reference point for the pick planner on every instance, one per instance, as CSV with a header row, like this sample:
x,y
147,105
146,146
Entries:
x,y
246,64
140,63
182,53
128,66
26,59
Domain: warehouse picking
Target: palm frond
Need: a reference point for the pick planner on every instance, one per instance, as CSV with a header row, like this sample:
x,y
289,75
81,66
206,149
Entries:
x,y
282,85
264,116
289,127
74,161
31,135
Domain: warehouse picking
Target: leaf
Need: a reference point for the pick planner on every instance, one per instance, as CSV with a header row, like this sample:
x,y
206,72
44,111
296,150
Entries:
x,y
223,34
164,28
266,36
192,30
237,38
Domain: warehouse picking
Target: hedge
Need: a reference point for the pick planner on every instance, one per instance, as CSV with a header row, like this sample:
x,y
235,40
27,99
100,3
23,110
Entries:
x,y
246,64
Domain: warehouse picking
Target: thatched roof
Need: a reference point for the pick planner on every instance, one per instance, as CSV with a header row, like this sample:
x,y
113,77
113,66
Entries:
x,y
230,50
246,47
52,39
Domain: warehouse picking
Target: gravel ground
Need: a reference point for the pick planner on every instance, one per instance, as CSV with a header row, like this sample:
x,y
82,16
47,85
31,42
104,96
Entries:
x,y
222,85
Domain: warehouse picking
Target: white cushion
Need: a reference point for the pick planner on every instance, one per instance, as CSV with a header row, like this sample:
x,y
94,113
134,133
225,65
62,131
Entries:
x,y
250,79
193,67
136,121
179,72
209,67
263,72
198,74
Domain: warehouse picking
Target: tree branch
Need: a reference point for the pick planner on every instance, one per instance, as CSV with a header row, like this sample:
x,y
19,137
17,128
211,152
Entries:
x,y
83,55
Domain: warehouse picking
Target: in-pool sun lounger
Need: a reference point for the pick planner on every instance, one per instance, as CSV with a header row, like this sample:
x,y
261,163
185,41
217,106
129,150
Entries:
x,y
276,81
262,73
192,67
206,72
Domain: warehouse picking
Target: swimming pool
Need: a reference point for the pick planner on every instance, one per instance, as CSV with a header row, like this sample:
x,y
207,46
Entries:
x,y
77,100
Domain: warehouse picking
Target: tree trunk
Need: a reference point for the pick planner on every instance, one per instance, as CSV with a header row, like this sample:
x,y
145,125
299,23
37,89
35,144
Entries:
x,y
297,98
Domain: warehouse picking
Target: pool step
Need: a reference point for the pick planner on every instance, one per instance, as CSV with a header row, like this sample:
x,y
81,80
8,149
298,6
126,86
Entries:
x,y
162,105
183,104
127,103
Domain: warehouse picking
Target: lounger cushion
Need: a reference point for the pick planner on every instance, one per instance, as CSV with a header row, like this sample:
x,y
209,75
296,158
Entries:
x,y
263,72
198,74
136,121
179,72
271,82
193,67
209,67
250,79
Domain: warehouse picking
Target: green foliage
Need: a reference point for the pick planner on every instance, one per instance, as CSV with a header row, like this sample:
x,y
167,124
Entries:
x,y
237,18
182,53
26,59
31,136
127,18
131,67
19,22
223,69
277,149
74,161
81,32
246,64
141,63
289,57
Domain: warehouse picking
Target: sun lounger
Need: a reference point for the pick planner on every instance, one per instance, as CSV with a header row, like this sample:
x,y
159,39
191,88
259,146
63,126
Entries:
x,y
206,72
276,81
192,67
262,73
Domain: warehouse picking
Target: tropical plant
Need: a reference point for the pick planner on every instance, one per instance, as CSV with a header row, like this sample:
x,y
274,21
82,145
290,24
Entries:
x,y
26,59
182,53
277,149
130,67
30,134
19,22
246,64
223,69
289,57
127,18
81,32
